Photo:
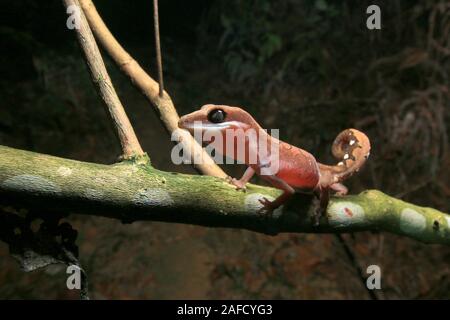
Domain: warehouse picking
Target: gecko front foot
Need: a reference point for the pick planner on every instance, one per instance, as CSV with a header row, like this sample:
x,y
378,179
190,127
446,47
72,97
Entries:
x,y
237,183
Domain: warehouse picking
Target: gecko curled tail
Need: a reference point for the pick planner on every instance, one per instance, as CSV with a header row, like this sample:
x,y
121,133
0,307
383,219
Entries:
x,y
352,148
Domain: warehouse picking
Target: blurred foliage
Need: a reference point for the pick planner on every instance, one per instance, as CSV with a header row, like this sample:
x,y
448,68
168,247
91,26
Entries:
x,y
256,34
313,39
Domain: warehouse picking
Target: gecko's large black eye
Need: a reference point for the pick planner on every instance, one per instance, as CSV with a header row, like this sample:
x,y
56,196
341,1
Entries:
x,y
216,115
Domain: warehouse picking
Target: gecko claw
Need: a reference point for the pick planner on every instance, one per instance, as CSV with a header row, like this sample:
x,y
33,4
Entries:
x,y
237,183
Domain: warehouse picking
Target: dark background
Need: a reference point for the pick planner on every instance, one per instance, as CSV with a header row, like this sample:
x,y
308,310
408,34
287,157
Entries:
x,y
310,68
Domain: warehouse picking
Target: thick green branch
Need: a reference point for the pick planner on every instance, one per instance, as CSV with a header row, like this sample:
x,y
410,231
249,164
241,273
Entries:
x,y
134,190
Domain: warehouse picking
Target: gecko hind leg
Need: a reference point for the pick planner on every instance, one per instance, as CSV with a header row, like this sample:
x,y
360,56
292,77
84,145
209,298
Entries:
x,y
270,206
340,189
324,198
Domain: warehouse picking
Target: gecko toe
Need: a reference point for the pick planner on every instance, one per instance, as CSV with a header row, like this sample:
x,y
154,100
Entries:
x,y
267,208
238,184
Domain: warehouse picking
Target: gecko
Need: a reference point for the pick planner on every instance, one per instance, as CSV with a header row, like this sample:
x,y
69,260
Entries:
x,y
297,169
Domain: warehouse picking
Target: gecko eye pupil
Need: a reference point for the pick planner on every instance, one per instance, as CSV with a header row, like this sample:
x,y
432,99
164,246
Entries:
x,y
216,116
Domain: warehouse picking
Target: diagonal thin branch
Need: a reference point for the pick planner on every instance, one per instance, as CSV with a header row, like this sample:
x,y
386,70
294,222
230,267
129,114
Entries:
x,y
102,82
150,88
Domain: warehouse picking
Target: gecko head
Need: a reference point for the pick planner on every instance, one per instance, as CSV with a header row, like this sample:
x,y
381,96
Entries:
x,y
217,118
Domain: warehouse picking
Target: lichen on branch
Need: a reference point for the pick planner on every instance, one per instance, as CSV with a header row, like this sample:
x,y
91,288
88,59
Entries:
x,y
133,190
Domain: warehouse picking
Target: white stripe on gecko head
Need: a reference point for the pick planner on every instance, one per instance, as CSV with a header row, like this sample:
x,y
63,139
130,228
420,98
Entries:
x,y
215,126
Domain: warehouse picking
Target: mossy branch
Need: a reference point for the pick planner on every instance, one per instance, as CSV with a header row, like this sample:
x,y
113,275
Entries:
x,y
134,190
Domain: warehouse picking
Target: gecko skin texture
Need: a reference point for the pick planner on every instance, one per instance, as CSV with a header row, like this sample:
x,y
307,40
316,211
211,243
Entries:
x,y
298,170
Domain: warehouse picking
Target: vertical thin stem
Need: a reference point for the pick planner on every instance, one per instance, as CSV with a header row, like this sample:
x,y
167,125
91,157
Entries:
x,y
158,47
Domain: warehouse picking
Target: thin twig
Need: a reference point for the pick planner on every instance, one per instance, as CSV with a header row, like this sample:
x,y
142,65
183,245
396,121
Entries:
x,y
158,48
355,264
102,82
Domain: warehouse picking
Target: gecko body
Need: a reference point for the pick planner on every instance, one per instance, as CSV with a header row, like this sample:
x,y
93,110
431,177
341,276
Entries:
x,y
296,169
